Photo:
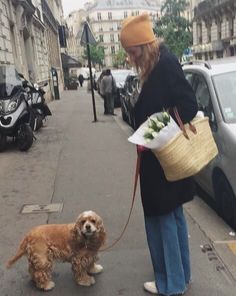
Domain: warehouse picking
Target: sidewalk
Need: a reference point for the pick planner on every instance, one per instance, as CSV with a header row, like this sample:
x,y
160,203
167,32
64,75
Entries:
x,y
88,165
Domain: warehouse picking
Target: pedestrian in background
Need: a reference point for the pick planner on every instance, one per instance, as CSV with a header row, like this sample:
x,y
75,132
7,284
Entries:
x,y
108,89
81,80
163,87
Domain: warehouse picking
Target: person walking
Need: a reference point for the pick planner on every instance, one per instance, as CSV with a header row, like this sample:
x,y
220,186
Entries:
x,y
163,87
108,89
81,80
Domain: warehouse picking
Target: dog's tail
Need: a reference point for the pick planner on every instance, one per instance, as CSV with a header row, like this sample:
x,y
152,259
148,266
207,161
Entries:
x,y
20,252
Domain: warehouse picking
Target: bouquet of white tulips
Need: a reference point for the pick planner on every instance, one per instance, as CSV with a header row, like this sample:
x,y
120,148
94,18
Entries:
x,y
156,131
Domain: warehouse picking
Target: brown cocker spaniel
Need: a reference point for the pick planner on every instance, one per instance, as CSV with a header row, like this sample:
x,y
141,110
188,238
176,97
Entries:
x,y
77,243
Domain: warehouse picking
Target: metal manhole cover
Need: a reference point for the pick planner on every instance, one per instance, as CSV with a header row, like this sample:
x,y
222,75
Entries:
x,y
50,208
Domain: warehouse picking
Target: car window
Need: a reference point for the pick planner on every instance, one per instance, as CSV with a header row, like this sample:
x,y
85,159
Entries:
x,y
189,77
203,97
225,86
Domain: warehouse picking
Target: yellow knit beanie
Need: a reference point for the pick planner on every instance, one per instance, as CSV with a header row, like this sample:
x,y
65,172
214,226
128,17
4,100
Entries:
x,y
136,30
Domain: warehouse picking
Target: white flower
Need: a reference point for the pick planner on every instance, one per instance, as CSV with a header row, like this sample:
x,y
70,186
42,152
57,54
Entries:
x,y
154,134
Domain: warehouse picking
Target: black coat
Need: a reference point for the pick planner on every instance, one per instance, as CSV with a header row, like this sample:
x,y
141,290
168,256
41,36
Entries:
x,y
166,87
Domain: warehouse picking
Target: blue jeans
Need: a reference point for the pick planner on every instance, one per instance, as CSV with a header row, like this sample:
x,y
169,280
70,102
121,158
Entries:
x,y
167,237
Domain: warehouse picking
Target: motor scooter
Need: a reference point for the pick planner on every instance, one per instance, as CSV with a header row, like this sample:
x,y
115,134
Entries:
x,y
37,101
15,112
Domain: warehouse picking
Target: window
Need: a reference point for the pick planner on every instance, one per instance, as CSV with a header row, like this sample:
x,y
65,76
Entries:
x,y
101,38
113,51
209,33
231,27
189,77
219,30
199,33
112,39
125,14
99,16
203,97
225,85
110,15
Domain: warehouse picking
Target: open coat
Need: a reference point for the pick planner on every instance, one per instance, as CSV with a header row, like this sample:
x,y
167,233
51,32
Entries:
x,y
166,87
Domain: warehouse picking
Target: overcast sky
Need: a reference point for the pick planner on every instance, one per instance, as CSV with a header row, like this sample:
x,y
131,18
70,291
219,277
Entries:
x,y
70,5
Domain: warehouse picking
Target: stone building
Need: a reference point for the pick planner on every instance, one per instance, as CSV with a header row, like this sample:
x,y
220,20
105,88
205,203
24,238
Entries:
x,y
105,18
74,21
53,20
214,29
23,40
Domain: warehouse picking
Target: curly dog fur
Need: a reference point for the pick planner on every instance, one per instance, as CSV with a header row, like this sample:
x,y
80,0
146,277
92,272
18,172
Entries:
x,y
77,243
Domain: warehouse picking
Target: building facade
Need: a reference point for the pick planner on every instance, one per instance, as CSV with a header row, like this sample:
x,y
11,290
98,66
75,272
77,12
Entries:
x,y
23,40
74,21
53,20
105,18
214,29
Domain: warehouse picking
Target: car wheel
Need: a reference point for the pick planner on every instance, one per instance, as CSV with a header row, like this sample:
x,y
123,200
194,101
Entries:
x,y
226,200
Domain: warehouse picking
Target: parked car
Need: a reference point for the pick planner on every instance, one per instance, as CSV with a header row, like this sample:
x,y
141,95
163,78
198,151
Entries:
x,y
214,84
128,98
120,76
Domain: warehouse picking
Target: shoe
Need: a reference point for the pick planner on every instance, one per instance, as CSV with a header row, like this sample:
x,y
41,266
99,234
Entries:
x,y
114,114
151,287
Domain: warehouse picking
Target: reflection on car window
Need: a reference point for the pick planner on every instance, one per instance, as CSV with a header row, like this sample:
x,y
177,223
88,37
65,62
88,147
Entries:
x,y
202,94
189,77
225,85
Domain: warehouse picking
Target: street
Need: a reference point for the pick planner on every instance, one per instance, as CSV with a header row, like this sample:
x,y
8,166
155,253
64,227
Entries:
x,y
86,165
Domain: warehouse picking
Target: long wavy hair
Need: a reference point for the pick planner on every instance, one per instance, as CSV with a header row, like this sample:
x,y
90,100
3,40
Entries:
x,y
148,59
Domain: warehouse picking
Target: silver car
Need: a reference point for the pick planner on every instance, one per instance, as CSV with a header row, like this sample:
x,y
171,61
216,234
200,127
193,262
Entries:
x,y
214,84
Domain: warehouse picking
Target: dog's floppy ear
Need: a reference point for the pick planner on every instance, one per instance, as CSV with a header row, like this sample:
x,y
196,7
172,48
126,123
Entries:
x,y
77,228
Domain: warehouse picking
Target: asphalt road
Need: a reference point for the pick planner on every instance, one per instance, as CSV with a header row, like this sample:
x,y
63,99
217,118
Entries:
x,y
82,165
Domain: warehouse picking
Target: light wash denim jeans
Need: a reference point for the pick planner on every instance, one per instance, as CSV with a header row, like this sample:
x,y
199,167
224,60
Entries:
x,y
167,237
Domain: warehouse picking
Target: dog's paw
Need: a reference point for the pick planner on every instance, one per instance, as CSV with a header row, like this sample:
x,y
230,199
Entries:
x,y
97,268
88,281
50,285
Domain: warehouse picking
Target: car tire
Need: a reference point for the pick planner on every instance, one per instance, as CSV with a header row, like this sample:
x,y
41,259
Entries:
x,y
226,200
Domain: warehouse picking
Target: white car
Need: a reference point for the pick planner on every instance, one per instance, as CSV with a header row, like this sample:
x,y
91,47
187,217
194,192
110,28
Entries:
x,y
214,83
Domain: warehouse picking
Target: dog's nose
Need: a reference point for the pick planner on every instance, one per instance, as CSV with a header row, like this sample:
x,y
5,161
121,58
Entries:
x,y
88,227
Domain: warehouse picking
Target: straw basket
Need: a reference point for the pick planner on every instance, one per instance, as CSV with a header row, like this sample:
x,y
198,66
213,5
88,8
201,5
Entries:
x,y
184,157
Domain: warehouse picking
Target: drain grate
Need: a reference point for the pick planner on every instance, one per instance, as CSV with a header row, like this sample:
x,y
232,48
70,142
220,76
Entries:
x,y
34,209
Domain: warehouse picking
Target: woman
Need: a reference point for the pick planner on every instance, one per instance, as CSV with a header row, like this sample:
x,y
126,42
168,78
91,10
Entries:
x,y
163,87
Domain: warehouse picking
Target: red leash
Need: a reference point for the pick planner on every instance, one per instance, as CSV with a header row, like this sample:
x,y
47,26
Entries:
x,y
139,150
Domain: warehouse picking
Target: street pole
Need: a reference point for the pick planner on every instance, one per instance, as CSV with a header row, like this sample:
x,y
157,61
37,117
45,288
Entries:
x,y
90,71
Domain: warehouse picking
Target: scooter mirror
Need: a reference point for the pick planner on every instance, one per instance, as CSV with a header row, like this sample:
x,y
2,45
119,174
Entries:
x,y
45,84
21,75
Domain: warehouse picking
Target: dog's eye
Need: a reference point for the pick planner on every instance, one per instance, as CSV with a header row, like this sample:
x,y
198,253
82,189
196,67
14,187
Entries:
x,y
83,221
93,221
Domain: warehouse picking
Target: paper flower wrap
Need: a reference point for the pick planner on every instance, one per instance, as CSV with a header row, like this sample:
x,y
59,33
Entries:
x,y
156,131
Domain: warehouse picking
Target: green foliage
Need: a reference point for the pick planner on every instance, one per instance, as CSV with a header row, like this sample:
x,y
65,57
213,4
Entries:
x,y
97,54
119,59
173,28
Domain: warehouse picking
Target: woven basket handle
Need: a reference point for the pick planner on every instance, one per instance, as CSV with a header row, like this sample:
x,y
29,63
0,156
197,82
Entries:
x,y
180,122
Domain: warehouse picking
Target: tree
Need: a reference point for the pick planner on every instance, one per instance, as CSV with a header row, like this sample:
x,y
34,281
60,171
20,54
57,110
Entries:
x,y
173,27
97,54
119,59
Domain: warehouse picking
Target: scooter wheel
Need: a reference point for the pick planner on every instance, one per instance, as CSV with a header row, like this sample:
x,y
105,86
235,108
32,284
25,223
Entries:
x,y
3,141
39,122
25,137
